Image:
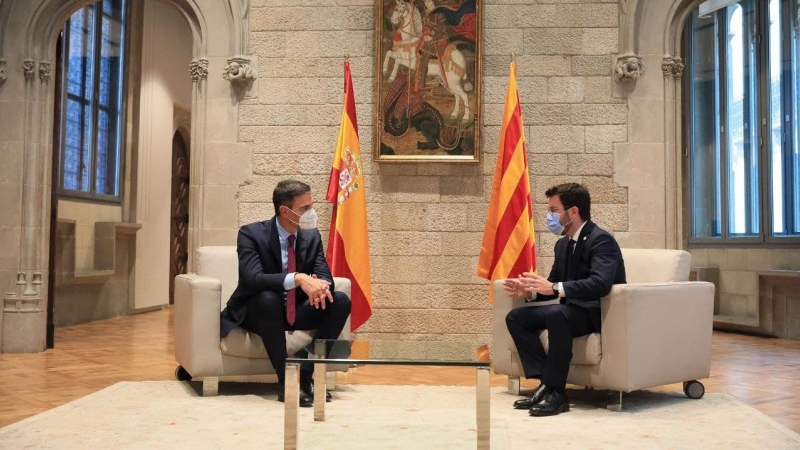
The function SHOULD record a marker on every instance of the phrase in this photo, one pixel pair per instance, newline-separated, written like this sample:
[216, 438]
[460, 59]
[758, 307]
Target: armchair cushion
[586, 350]
[245, 344]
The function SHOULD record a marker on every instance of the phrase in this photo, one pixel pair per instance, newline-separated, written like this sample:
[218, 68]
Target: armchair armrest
[501, 339]
[345, 286]
[197, 307]
[656, 333]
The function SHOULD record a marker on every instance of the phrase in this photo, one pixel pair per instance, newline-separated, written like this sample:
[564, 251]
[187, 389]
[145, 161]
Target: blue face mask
[554, 223]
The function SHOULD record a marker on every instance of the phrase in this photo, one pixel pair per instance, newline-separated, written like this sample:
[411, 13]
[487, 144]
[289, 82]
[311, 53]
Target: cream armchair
[199, 298]
[656, 330]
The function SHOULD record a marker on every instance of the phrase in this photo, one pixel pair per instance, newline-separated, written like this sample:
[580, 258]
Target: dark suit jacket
[261, 269]
[594, 267]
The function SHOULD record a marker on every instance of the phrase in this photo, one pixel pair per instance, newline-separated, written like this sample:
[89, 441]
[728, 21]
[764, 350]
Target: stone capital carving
[677, 67]
[199, 69]
[28, 68]
[44, 71]
[666, 66]
[672, 67]
[238, 71]
[629, 68]
[3, 74]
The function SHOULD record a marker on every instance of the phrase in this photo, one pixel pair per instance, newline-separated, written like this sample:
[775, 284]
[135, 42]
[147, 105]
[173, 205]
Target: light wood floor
[764, 373]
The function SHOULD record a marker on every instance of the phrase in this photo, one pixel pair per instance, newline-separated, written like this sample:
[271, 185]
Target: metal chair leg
[513, 385]
[330, 381]
[616, 406]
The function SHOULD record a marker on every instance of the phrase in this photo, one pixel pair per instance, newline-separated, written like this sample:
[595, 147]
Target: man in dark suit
[587, 263]
[285, 282]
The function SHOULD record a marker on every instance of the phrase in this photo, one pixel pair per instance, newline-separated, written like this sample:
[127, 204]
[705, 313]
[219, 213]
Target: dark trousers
[563, 323]
[266, 316]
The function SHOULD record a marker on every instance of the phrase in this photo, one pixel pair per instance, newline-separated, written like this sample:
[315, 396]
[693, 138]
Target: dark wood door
[179, 228]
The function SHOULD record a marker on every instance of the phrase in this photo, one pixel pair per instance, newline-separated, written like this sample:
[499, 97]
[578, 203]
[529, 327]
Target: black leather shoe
[306, 400]
[538, 395]
[308, 386]
[555, 402]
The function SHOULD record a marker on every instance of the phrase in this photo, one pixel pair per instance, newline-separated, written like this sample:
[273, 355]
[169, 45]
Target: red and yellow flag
[508, 241]
[348, 245]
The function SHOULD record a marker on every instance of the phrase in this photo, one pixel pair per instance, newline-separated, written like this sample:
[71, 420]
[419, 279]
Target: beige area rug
[173, 415]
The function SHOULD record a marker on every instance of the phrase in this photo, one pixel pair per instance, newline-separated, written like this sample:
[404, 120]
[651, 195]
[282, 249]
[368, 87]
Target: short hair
[573, 194]
[286, 191]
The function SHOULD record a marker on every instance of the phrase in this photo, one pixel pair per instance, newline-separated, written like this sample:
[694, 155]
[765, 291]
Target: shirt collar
[577, 234]
[282, 234]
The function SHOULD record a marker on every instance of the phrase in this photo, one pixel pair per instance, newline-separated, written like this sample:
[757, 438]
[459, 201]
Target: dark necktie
[570, 250]
[291, 294]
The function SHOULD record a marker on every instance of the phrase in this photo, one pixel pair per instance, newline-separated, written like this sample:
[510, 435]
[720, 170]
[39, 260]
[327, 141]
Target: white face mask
[307, 221]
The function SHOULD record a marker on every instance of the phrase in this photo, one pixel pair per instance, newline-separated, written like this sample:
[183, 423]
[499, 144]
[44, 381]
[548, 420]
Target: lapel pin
[585, 237]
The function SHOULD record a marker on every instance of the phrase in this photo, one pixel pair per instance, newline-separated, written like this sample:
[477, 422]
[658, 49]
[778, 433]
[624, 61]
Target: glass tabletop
[394, 352]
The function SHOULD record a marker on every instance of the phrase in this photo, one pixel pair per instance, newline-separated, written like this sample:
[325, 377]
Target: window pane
[89, 51]
[110, 101]
[791, 164]
[79, 56]
[741, 119]
[776, 116]
[86, 161]
[94, 42]
[705, 126]
[72, 145]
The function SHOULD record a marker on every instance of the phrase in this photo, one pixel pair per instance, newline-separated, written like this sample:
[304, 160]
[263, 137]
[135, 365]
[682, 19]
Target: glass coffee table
[383, 352]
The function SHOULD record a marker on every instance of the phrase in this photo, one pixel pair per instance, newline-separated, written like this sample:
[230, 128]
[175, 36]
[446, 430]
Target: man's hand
[535, 283]
[316, 289]
[514, 287]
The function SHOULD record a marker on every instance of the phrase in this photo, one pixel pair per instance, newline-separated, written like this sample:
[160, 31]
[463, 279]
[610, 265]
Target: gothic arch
[28, 32]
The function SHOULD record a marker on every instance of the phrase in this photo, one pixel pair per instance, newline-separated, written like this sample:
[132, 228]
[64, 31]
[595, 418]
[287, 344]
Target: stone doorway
[29, 31]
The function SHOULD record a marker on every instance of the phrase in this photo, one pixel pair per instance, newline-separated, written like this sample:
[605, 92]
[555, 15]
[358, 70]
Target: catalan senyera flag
[348, 246]
[508, 247]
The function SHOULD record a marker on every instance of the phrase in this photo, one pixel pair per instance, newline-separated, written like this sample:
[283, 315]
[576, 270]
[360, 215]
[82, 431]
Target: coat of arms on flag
[349, 175]
[348, 243]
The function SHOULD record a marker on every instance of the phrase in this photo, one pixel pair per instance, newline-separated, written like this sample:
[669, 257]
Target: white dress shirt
[283, 237]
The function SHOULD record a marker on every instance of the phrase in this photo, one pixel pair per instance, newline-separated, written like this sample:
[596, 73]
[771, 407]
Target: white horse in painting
[408, 19]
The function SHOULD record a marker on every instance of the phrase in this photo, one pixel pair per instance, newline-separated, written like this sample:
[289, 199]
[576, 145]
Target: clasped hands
[315, 288]
[526, 283]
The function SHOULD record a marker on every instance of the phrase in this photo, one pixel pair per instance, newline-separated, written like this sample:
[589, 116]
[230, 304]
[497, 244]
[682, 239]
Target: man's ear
[574, 212]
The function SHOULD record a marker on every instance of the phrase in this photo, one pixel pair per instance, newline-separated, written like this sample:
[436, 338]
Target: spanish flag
[348, 245]
[508, 241]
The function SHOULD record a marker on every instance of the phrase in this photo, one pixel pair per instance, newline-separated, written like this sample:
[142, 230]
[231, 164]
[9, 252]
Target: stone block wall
[426, 219]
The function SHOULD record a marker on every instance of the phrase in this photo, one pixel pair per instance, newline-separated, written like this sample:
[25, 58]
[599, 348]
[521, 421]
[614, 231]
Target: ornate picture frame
[428, 80]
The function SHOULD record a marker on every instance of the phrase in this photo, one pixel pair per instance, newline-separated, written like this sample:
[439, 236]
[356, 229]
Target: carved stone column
[672, 69]
[198, 69]
[24, 307]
